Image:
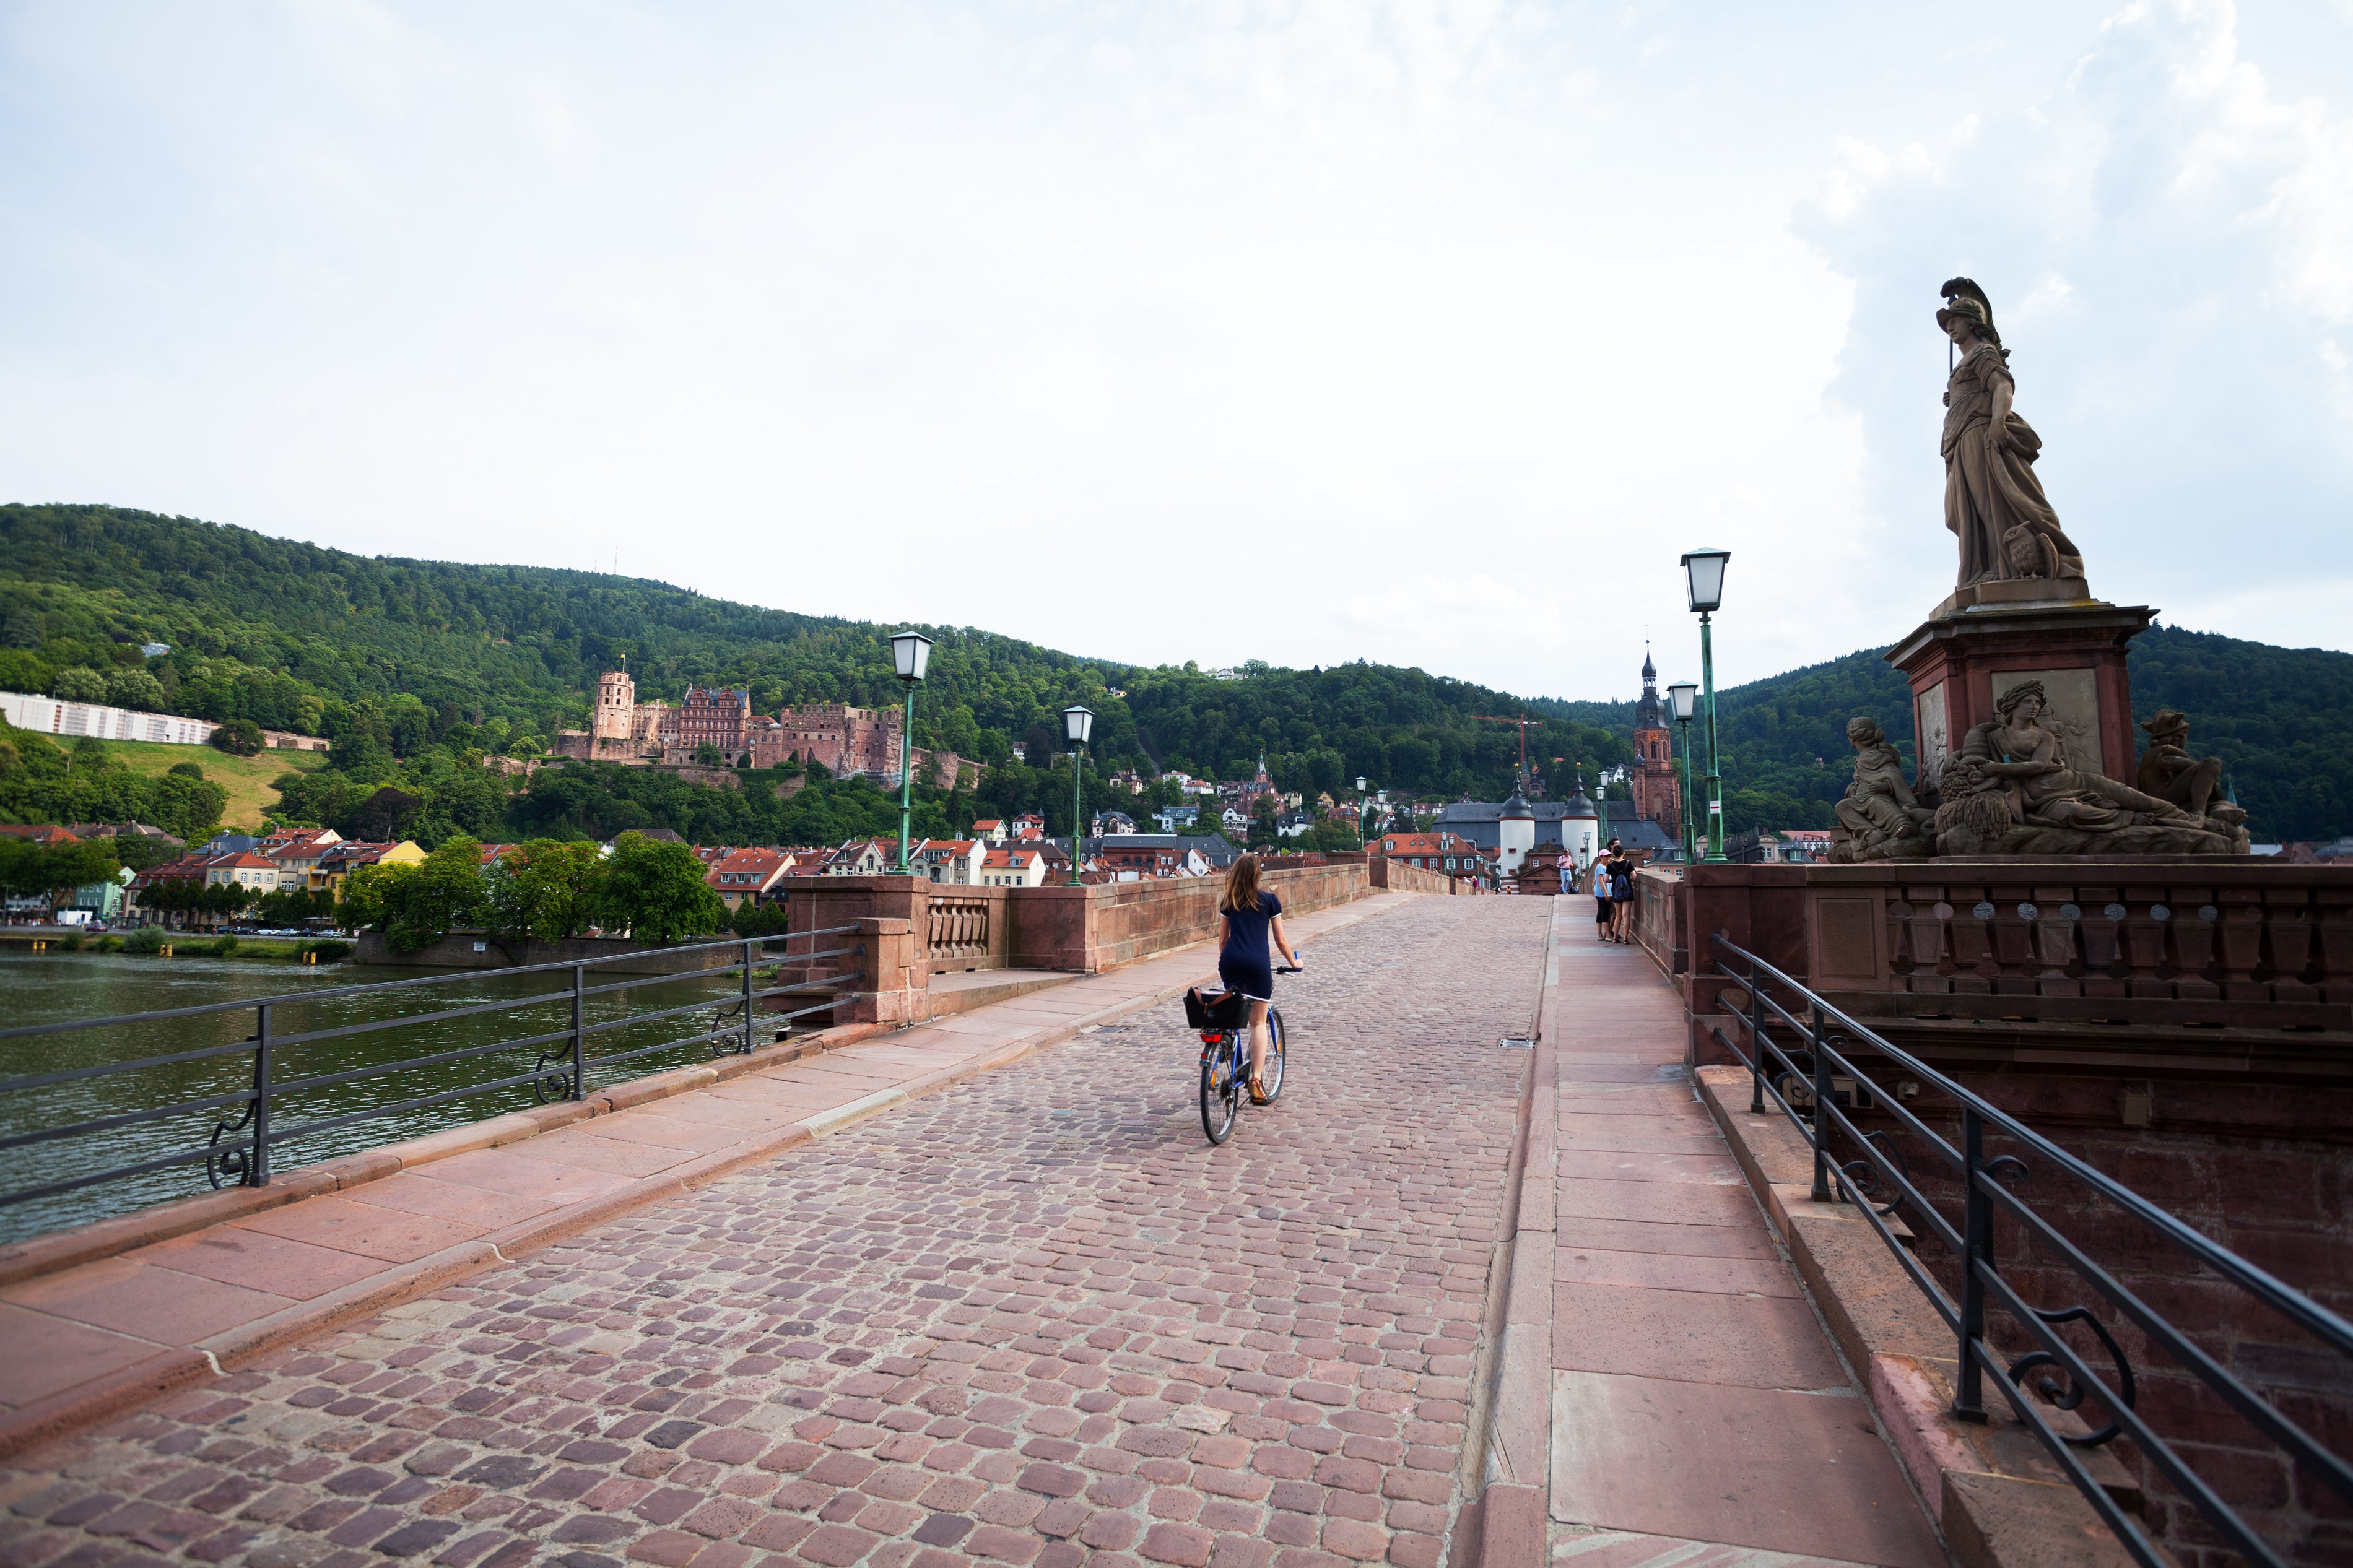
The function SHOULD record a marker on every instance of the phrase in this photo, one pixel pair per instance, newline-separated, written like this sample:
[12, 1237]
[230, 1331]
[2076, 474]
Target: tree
[238, 738]
[1262, 821]
[707, 755]
[80, 685]
[135, 689]
[416, 904]
[546, 890]
[50, 870]
[655, 890]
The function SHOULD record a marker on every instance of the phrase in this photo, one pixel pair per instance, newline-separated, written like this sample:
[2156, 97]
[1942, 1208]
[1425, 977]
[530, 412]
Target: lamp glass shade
[911, 652]
[1361, 782]
[1685, 695]
[1078, 723]
[1703, 577]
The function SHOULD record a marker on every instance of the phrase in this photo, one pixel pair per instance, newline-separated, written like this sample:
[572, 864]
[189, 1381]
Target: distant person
[1600, 889]
[1621, 896]
[1252, 925]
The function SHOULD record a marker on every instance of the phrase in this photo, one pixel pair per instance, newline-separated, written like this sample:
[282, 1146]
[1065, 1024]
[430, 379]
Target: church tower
[1658, 795]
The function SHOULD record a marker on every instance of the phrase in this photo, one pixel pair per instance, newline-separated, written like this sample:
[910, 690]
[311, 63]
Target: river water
[40, 988]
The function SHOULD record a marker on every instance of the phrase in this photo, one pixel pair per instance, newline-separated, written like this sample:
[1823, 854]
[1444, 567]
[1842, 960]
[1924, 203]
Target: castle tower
[1657, 794]
[1515, 833]
[616, 701]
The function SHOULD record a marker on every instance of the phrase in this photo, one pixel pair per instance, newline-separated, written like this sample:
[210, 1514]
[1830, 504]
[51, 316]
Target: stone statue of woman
[1992, 498]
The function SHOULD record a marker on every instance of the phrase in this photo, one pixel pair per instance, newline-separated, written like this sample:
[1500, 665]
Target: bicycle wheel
[1220, 1094]
[1275, 1056]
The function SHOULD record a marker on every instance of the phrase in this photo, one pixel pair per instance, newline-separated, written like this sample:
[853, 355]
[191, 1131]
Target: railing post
[748, 1041]
[1977, 1242]
[1755, 1046]
[257, 1169]
[1821, 1193]
[579, 1038]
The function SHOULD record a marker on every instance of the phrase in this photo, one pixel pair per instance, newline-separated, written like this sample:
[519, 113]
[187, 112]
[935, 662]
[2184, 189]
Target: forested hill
[293, 635]
[410, 658]
[2282, 719]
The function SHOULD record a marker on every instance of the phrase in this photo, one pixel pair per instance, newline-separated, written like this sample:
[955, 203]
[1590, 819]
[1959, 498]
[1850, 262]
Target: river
[41, 988]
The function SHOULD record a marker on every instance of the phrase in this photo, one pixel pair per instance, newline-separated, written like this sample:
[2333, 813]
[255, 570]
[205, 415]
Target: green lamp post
[1078, 723]
[1684, 696]
[911, 654]
[1704, 579]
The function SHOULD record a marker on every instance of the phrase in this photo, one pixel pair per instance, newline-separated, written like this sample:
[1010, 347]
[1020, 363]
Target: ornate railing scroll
[1796, 1038]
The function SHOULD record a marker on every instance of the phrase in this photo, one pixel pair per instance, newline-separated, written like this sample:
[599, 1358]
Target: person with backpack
[1602, 907]
[1621, 896]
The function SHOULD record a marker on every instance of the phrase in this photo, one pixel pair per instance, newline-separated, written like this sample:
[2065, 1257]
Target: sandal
[1258, 1091]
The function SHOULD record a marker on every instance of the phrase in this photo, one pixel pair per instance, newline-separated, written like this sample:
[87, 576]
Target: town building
[952, 862]
[991, 828]
[1453, 854]
[1014, 866]
[716, 716]
[861, 857]
[336, 865]
[56, 716]
[747, 875]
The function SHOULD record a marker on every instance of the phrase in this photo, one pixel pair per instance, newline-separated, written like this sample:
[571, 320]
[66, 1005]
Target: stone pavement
[1030, 1318]
[147, 1308]
[1699, 1414]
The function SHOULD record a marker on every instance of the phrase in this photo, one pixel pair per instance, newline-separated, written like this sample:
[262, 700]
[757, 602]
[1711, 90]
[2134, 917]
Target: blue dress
[1246, 964]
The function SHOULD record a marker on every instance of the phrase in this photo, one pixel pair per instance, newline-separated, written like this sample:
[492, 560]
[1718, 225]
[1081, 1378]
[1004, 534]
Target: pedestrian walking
[1601, 904]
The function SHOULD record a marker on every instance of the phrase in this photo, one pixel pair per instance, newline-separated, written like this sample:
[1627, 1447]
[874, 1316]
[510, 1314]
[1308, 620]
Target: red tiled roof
[39, 833]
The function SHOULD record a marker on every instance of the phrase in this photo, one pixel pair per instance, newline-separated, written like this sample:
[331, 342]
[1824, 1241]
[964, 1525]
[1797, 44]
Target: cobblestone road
[1032, 1320]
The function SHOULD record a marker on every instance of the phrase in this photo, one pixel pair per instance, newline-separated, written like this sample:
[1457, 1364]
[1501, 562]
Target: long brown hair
[1241, 886]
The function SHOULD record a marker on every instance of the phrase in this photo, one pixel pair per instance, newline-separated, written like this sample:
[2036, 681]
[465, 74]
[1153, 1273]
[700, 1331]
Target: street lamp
[1078, 723]
[911, 655]
[1685, 695]
[1704, 578]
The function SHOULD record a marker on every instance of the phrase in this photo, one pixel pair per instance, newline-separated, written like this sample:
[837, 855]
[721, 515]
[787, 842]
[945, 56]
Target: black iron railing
[245, 1130]
[1817, 1074]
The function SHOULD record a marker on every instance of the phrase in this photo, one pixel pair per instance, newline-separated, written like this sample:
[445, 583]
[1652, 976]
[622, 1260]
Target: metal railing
[1817, 1073]
[245, 1130]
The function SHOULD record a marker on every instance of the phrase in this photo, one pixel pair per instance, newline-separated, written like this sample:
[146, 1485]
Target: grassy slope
[247, 779]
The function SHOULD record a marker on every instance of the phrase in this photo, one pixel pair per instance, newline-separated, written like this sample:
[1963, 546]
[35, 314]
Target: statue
[1879, 819]
[1993, 501]
[2168, 772]
[2006, 791]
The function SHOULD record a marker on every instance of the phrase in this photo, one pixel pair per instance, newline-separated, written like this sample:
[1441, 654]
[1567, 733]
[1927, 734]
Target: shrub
[146, 939]
[238, 738]
[223, 947]
[80, 685]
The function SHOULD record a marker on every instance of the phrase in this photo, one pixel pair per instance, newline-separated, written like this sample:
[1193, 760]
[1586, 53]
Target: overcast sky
[1087, 323]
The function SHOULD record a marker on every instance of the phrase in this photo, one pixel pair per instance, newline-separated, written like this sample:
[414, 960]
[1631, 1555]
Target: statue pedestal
[1991, 637]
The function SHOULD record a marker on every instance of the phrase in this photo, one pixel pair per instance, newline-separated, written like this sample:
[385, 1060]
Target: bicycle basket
[1226, 1011]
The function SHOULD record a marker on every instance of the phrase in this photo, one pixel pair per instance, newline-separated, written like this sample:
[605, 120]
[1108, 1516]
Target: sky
[1418, 332]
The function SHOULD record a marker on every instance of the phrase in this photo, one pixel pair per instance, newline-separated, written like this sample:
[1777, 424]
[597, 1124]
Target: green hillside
[418, 668]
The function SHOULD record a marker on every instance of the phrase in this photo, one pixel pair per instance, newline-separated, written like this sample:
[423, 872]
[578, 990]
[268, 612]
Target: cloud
[2166, 242]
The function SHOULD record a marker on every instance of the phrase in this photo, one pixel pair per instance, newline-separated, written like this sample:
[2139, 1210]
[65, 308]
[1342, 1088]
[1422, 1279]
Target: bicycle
[1224, 1025]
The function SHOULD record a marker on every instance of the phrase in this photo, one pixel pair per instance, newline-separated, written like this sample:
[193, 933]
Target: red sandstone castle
[840, 739]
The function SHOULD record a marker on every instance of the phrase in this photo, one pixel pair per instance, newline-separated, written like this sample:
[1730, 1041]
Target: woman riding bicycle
[1253, 919]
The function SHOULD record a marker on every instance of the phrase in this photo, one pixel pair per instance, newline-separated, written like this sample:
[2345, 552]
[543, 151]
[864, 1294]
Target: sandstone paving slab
[430, 1192]
[660, 1130]
[155, 1304]
[46, 1353]
[1714, 1168]
[1753, 1341]
[1619, 1548]
[390, 1234]
[1766, 1276]
[579, 1151]
[1031, 1317]
[1740, 1467]
[1671, 1203]
[258, 1261]
[507, 1170]
[1682, 1240]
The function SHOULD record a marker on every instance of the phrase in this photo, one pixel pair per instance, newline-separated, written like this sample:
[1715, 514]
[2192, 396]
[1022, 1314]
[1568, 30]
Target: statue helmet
[1964, 298]
[2165, 723]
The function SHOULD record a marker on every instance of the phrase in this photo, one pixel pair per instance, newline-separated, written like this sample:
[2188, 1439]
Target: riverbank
[175, 944]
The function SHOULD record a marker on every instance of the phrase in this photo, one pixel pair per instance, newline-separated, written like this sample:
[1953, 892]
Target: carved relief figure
[2006, 791]
[1879, 819]
[1993, 501]
[2168, 772]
